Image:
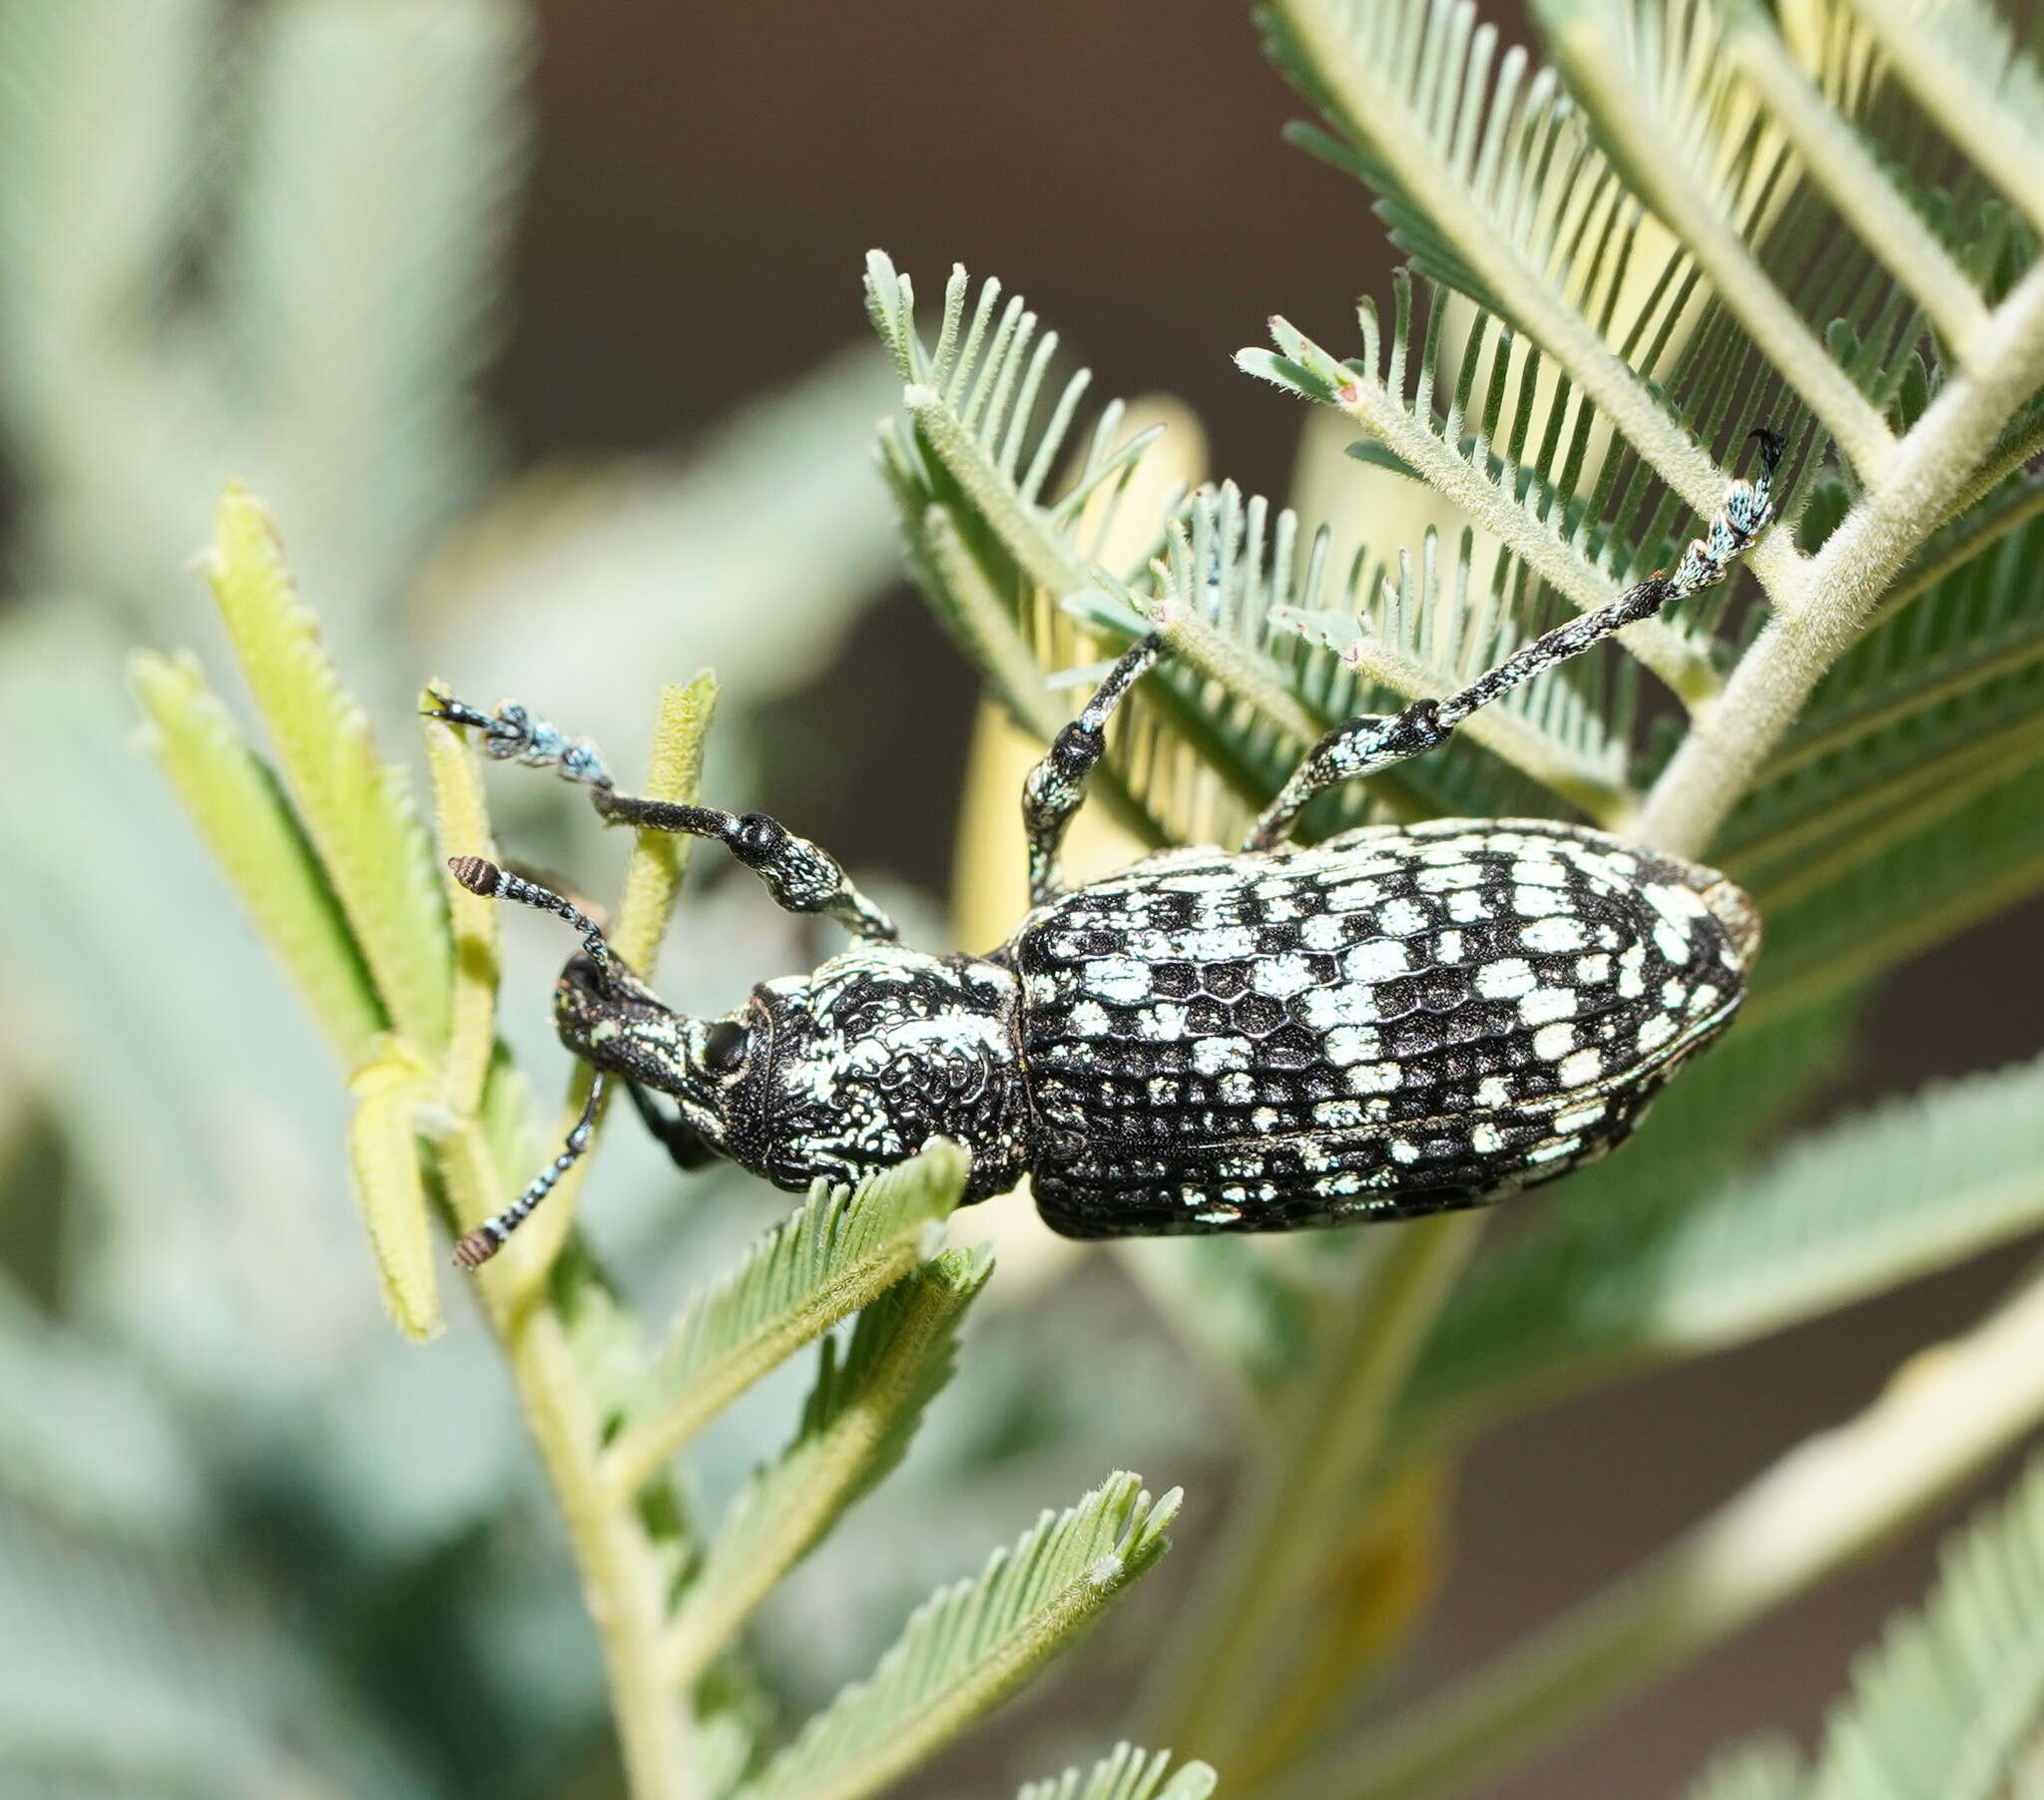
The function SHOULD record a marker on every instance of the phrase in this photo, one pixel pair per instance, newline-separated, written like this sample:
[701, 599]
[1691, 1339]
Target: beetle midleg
[1055, 787]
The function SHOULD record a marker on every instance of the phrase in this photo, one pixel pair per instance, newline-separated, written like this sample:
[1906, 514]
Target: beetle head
[828, 1076]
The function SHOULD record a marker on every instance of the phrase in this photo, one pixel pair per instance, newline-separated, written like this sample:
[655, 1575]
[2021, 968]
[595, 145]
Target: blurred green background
[539, 330]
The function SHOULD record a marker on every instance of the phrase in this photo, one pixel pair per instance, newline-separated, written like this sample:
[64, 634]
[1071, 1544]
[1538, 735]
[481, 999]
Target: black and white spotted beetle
[1397, 1021]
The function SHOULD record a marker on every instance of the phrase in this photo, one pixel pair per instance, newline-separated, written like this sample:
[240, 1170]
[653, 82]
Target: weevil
[1393, 1021]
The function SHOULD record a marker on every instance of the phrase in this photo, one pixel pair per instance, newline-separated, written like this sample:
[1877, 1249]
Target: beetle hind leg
[1365, 747]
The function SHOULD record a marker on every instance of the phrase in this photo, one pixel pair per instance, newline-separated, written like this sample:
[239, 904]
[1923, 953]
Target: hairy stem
[1306, 1486]
[1947, 1414]
[1731, 738]
[623, 1582]
[624, 1579]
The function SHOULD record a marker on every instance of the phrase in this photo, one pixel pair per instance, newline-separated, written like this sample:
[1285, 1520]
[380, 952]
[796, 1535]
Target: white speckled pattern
[1397, 1021]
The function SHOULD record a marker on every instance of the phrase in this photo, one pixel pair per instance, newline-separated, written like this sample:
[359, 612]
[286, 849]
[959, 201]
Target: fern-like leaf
[1936, 872]
[1127, 1774]
[1491, 179]
[971, 1646]
[359, 260]
[1936, 704]
[1212, 733]
[1878, 1200]
[1948, 1705]
[255, 837]
[843, 1248]
[355, 809]
[1545, 523]
[857, 1424]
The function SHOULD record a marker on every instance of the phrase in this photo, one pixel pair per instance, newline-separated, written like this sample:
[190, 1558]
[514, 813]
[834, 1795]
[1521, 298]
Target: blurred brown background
[708, 181]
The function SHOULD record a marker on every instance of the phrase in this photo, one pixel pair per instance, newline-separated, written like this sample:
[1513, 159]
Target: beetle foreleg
[512, 734]
[481, 876]
[802, 876]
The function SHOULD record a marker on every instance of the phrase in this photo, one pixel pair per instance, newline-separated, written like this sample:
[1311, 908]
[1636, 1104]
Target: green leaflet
[861, 1417]
[355, 809]
[1127, 1774]
[843, 1248]
[390, 1187]
[256, 838]
[397, 329]
[1947, 1707]
[1874, 1200]
[970, 1646]
[1941, 877]
[1937, 702]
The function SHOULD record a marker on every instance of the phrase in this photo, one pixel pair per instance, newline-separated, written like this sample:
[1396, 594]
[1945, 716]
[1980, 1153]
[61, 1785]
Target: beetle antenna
[480, 1245]
[481, 876]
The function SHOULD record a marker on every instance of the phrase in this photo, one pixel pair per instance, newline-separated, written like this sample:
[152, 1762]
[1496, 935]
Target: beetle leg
[802, 876]
[1364, 746]
[672, 1131]
[1348, 753]
[512, 734]
[1054, 788]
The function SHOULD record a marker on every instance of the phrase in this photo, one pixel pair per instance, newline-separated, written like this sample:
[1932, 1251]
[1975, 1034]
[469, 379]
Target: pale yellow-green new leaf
[674, 772]
[355, 809]
[248, 826]
[1127, 1774]
[462, 823]
[383, 1145]
[653, 874]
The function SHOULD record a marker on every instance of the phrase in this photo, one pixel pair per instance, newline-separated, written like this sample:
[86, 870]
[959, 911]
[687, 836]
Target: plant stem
[1307, 1485]
[1731, 738]
[623, 1582]
[623, 1578]
[1946, 1414]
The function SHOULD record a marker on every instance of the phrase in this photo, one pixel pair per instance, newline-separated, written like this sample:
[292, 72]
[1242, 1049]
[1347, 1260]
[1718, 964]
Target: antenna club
[476, 873]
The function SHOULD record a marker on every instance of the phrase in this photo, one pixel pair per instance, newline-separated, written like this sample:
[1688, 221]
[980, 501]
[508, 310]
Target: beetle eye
[723, 1049]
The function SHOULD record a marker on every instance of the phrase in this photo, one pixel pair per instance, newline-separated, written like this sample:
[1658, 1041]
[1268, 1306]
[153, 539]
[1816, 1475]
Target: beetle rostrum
[1395, 1021]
